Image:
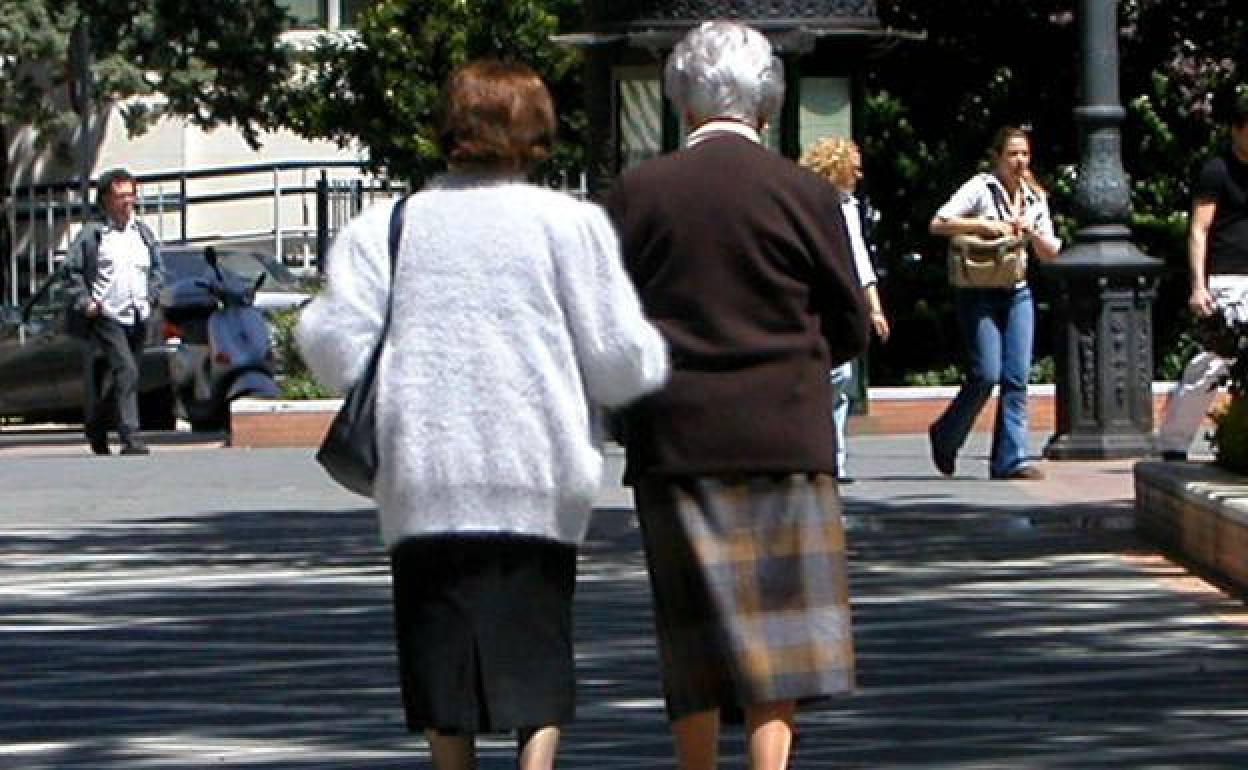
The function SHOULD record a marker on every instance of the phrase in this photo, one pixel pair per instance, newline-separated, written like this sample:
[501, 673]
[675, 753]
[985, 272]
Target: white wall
[174, 145]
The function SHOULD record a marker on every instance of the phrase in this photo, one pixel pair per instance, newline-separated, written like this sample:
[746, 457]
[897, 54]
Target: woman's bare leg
[697, 740]
[537, 748]
[769, 727]
[452, 752]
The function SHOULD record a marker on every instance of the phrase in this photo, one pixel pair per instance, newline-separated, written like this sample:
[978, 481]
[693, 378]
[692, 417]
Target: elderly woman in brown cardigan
[741, 260]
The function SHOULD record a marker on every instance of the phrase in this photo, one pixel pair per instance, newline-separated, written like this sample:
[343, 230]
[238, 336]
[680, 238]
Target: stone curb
[259, 423]
[1199, 512]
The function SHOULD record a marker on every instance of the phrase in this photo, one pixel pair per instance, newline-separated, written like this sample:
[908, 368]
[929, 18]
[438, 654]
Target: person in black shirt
[1217, 250]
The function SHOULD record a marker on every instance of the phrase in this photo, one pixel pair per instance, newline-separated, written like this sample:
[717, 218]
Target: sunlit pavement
[228, 608]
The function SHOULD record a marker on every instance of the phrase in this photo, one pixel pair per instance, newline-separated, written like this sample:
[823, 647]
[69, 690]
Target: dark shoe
[1174, 456]
[135, 448]
[99, 443]
[944, 460]
[1021, 473]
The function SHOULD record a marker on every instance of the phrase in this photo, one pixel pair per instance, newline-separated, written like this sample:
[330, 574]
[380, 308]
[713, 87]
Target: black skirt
[484, 631]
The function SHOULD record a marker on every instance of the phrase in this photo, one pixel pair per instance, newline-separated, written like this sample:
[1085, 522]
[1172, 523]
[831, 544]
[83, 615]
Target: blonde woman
[838, 160]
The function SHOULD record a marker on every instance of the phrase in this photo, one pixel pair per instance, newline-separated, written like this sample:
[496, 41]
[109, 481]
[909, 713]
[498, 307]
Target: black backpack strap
[151, 242]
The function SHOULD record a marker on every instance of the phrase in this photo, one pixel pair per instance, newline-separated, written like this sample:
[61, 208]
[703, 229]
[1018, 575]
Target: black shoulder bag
[349, 451]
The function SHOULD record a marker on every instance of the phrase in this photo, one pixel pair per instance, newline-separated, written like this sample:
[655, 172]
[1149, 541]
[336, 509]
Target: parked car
[280, 289]
[42, 365]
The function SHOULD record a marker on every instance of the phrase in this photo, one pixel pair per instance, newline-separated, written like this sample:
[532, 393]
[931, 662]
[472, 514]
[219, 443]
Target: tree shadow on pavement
[1027, 635]
[262, 639]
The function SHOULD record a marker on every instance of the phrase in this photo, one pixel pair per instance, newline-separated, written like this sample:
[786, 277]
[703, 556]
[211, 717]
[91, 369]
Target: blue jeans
[997, 326]
[841, 378]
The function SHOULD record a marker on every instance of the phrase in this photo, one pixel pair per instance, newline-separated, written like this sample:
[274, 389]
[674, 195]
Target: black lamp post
[1106, 286]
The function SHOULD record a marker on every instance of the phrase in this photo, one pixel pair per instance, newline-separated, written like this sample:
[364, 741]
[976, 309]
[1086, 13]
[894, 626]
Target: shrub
[950, 375]
[293, 377]
[1230, 436]
[1230, 431]
[1043, 370]
[1172, 361]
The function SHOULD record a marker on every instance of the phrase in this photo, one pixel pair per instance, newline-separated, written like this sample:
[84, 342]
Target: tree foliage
[1001, 62]
[380, 84]
[1182, 60]
[211, 61]
[928, 111]
[32, 32]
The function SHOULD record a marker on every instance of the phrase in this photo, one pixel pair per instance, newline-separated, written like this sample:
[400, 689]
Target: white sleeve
[968, 201]
[1043, 223]
[621, 355]
[339, 328]
[862, 257]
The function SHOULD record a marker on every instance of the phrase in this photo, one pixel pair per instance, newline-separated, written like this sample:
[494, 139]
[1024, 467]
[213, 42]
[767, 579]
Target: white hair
[723, 69]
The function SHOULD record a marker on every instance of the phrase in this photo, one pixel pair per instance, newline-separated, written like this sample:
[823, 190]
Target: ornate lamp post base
[1105, 286]
[1105, 292]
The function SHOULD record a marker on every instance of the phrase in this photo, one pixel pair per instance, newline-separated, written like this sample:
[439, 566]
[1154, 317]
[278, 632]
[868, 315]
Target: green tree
[984, 65]
[211, 61]
[1001, 62]
[1181, 61]
[379, 85]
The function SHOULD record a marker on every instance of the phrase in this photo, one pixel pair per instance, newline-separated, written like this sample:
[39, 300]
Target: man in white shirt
[112, 271]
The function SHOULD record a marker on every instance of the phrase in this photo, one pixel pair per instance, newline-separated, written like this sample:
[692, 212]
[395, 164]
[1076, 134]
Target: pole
[82, 95]
[1105, 285]
[322, 220]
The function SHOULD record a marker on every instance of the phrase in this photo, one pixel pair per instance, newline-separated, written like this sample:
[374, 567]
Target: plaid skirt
[750, 586]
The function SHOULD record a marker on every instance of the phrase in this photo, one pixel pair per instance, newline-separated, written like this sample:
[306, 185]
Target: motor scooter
[222, 345]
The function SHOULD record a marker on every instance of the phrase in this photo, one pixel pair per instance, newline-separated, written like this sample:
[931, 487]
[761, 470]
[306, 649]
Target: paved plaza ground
[215, 608]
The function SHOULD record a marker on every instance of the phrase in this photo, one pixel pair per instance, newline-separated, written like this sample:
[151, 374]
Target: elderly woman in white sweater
[512, 319]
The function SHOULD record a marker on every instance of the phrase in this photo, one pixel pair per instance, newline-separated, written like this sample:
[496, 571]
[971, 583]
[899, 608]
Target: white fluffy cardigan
[512, 317]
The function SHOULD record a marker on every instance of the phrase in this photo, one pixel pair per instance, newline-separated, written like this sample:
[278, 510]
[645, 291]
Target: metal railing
[303, 201]
[307, 202]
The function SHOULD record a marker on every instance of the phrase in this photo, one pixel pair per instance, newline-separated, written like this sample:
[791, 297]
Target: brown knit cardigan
[742, 260]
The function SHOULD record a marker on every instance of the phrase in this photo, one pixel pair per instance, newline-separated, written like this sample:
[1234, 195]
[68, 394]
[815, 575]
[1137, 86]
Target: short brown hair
[496, 114]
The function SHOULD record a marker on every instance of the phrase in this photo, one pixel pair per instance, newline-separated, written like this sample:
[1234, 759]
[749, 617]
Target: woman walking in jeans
[997, 324]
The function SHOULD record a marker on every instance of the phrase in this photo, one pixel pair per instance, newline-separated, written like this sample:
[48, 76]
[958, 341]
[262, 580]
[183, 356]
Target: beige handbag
[976, 262]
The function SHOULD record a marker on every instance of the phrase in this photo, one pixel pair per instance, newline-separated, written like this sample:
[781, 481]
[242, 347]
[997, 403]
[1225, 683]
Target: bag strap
[396, 229]
[999, 200]
[396, 236]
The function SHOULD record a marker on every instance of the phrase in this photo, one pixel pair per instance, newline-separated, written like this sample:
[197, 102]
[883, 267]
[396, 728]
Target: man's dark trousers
[112, 377]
